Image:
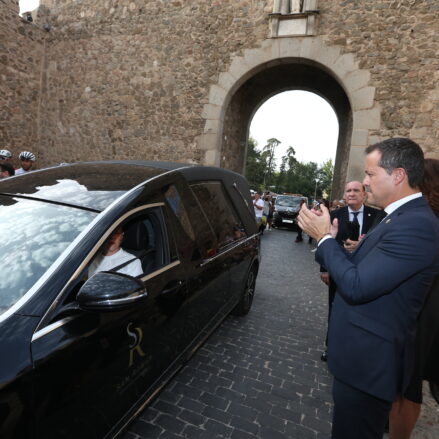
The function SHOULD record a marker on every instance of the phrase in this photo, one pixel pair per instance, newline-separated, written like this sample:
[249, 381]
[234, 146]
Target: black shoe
[324, 356]
[298, 240]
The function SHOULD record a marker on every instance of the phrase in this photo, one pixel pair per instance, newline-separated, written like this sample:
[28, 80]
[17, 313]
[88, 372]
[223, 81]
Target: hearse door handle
[173, 289]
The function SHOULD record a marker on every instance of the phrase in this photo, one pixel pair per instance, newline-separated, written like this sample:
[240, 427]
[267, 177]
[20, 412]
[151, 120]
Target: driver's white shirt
[106, 263]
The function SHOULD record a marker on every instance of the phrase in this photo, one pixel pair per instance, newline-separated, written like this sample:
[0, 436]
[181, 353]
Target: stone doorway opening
[291, 118]
[269, 80]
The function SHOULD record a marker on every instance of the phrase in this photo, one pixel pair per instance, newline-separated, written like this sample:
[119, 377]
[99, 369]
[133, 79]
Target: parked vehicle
[286, 209]
[81, 354]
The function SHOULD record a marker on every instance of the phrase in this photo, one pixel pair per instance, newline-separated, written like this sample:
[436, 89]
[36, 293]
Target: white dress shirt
[398, 203]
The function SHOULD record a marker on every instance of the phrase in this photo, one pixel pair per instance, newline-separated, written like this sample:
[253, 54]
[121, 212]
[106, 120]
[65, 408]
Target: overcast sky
[299, 119]
[28, 5]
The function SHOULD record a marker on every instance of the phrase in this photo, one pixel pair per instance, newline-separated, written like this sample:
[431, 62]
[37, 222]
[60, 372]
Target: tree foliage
[255, 165]
[293, 176]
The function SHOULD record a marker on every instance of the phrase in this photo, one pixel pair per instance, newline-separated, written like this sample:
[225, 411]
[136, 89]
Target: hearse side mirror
[107, 291]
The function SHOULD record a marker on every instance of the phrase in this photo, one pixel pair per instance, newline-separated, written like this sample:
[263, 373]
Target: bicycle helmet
[5, 154]
[26, 155]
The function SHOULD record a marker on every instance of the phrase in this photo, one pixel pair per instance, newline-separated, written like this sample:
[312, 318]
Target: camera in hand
[353, 230]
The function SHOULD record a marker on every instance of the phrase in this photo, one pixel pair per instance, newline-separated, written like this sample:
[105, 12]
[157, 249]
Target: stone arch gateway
[162, 80]
[287, 64]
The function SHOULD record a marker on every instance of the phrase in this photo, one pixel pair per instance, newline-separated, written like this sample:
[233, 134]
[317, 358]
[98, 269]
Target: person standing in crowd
[299, 237]
[27, 160]
[381, 288]
[335, 204]
[406, 409]
[6, 170]
[270, 214]
[5, 155]
[268, 210]
[354, 221]
[258, 205]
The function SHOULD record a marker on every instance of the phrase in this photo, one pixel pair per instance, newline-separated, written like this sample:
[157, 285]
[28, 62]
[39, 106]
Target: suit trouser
[332, 288]
[357, 415]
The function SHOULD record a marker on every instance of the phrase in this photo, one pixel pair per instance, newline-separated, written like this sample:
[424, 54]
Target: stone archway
[282, 64]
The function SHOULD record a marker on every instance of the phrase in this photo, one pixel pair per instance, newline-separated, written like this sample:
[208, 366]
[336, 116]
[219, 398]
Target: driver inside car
[113, 258]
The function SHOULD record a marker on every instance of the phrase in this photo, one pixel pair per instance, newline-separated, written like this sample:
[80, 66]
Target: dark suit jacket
[380, 290]
[342, 215]
[371, 216]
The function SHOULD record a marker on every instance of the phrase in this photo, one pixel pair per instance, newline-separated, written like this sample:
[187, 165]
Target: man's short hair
[8, 168]
[400, 152]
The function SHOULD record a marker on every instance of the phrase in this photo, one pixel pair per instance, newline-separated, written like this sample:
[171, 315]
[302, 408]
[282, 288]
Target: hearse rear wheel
[244, 305]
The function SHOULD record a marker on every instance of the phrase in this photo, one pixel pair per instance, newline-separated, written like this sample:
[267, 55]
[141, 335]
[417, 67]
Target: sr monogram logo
[137, 335]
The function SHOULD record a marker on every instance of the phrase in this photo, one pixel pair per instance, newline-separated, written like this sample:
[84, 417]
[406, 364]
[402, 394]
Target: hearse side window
[174, 200]
[194, 236]
[137, 247]
[219, 211]
[145, 239]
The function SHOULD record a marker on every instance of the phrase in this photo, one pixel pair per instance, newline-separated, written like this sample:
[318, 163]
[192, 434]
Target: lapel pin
[388, 220]
[368, 214]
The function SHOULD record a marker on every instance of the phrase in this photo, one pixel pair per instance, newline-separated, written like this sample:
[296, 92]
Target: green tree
[287, 164]
[293, 176]
[255, 165]
[270, 161]
[326, 174]
[301, 178]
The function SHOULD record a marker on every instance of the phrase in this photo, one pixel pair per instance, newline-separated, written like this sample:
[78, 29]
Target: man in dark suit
[354, 221]
[381, 288]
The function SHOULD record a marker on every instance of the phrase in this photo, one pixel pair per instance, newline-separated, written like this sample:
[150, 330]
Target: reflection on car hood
[89, 185]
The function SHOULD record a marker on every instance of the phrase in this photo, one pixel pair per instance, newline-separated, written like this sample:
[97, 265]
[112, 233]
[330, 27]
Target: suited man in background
[354, 221]
[381, 288]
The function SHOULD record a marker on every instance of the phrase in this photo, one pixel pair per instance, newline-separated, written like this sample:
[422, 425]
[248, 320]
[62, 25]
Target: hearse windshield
[34, 235]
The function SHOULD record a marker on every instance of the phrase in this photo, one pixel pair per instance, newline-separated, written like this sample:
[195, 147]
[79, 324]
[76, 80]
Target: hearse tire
[248, 292]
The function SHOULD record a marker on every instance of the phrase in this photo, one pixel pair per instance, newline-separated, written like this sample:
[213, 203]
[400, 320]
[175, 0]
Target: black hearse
[81, 353]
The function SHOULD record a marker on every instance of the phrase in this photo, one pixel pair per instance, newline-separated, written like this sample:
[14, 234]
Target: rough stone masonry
[159, 79]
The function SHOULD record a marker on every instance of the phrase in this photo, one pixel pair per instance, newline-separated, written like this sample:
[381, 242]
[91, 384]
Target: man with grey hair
[381, 288]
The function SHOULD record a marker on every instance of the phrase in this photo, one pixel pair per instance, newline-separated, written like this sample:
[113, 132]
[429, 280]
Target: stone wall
[131, 78]
[397, 41]
[128, 79]
[21, 58]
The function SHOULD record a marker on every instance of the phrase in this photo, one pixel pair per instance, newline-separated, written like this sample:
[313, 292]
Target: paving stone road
[260, 376]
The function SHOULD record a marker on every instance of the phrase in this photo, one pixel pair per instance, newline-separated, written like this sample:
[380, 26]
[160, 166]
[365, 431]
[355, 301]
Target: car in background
[82, 353]
[286, 209]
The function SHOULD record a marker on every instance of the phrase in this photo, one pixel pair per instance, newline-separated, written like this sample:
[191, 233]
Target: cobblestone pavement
[260, 376]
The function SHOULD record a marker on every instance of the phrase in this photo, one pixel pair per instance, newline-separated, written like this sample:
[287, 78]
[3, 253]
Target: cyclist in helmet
[27, 160]
[5, 155]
